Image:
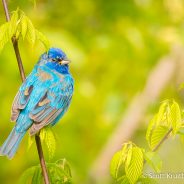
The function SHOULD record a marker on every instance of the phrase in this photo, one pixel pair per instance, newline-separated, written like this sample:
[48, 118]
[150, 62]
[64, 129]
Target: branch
[162, 140]
[23, 77]
[15, 44]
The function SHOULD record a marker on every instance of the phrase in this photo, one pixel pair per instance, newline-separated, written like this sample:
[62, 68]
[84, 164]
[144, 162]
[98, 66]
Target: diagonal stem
[23, 77]
[162, 140]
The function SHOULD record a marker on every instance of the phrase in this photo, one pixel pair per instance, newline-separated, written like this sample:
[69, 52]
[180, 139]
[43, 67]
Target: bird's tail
[11, 144]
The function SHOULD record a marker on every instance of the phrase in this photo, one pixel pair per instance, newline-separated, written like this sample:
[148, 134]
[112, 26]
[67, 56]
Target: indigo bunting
[42, 99]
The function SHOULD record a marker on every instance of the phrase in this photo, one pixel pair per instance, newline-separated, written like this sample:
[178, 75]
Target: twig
[41, 157]
[23, 77]
[15, 44]
[162, 140]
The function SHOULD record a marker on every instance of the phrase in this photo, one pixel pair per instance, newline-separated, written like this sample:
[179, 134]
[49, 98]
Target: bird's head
[57, 60]
[58, 56]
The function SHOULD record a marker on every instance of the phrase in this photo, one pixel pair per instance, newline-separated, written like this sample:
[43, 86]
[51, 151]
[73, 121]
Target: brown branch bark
[23, 77]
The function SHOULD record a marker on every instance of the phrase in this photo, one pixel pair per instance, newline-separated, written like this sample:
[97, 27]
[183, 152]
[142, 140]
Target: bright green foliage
[153, 159]
[175, 117]
[157, 135]
[30, 141]
[42, 38]
[131, 159]
[123, 180]
[4, 34]
[21, 26]
[47, 137]
[59, 172]
[117, 160]
[168, 117]
[134, 168]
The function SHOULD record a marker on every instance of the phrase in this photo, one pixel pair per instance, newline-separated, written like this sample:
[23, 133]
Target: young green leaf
[43, 39]
[153, 160]
[13, 28]
[37, 176]
[158, 135]
[117, 160]
[23, 26]
[43, 134]
[161, 112]
[30, 141]
[63, 164]
[134, 169]
[4, 34]
[30, 35]
[25, 177]
[150, 128]
[123, 180]
[50, 141]
[174, 117]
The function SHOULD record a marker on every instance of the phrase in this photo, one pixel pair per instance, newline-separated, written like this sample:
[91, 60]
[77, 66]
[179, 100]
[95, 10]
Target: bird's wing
[54, 102]
[22, 97]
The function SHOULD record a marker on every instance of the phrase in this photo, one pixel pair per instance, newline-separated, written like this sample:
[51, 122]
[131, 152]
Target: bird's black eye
[53, 59]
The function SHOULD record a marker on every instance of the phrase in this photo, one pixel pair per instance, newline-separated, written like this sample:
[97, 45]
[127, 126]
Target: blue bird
[42, 99]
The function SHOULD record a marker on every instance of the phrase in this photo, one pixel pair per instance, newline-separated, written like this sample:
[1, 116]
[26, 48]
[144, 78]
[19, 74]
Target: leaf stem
[23, 77]
[162, 140]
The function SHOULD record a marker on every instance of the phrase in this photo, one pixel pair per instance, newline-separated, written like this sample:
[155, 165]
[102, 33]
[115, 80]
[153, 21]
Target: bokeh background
[114, 47]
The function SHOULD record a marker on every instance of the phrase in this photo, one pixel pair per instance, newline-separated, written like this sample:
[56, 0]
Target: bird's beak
[65, 61]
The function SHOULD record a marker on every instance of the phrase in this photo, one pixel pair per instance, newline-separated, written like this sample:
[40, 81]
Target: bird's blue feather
[42, 99]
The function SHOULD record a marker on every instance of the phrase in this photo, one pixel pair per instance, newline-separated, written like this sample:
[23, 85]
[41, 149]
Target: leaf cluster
[48, 138]
[20, 26]
[127, 164]
[59, 173]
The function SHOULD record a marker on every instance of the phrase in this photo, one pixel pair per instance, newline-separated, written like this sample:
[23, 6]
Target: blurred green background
[113, 46]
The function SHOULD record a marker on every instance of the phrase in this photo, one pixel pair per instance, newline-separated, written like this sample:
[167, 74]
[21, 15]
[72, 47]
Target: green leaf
[150, 129]
[181, 131]
[14, 23]
[158, 135]
[117, 161]
[43, 39]
[153, 160]
[123, 180]
[47, 136]
[50, 142]
[174, 117]
[30, 141]
[37, 176]
[4, 34]
[43, 134]
[60, 172]
[27, 174]
[134, 169]
[161, 112]
[64, 165]
[23, 26]
[30, 35]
